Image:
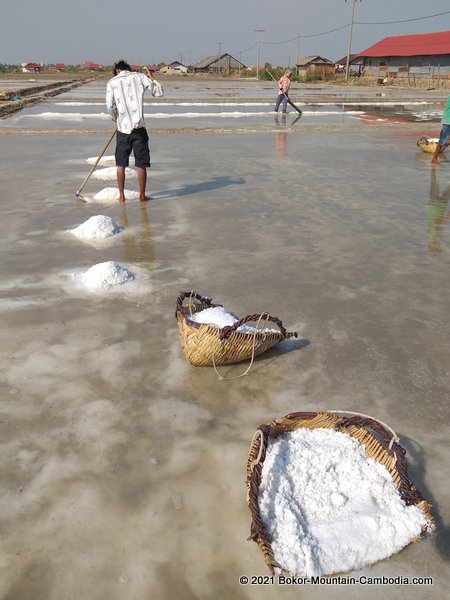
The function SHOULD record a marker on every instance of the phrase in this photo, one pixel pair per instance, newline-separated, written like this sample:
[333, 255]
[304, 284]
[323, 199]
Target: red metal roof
[419, 44]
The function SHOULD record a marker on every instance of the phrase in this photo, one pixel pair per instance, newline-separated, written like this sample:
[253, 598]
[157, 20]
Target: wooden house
[223, 63]
[316, 65]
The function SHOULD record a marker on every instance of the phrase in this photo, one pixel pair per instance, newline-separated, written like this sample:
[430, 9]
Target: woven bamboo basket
[381, 444]
[207, 345]
[427, 144]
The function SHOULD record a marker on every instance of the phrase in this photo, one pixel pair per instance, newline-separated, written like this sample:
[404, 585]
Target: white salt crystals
[111, 194]
[329, 507]
[111, 173]
[106, 275]
[97, 227]
[216, 315]
[219, 317]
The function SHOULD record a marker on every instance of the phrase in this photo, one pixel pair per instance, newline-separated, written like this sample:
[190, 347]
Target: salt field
[123, 466]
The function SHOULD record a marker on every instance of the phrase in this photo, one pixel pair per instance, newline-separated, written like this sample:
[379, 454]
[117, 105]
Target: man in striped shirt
[125, 104]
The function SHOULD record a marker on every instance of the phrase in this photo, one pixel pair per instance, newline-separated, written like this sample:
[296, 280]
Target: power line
[346, 27]
[356, 23]
[404, 21]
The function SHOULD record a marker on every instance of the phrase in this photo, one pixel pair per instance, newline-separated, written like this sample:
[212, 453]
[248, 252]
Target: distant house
[341, 65]
[420, 54]
[174, 68]
[31, 68]
[90, 66]
[223, 63]
[316, 65]
[60, 66]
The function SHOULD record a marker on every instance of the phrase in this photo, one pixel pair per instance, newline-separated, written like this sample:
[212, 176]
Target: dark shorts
[136, 141]
[444, 135]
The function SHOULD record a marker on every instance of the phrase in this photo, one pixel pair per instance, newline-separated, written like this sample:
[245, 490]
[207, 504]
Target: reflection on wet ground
[123, 466]
[438, 214]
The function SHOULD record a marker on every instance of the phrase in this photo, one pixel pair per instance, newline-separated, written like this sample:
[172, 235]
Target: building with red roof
[90, 66]
[31, 66]
[420, 54]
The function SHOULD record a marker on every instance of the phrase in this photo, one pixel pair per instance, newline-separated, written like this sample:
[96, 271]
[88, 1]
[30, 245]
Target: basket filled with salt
[211, 336]
[427, 144]
[329, 493]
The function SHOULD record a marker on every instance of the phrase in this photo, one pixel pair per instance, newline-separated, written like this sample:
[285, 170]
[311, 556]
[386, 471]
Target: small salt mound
[97, 227]
[217, 316]
[110, 193]
[329, 507]
[111, 173]
[106, 275]
[106, 160]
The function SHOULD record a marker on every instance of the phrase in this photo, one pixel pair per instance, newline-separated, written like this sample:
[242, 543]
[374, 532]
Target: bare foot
[145, 199]
[122, 199]
[434, 161]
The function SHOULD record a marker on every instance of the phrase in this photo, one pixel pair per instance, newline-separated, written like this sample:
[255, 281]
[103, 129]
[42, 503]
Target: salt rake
[78, 192]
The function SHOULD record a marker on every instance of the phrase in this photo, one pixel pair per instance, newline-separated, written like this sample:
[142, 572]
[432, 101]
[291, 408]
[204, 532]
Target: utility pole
[258, 31]
[298, 54]
[350, 39]
[219, 44]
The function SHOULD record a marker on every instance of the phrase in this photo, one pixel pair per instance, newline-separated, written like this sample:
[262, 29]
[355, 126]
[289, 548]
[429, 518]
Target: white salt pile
[219, 317]
[329, 507]
[97, 227]
[110, 194]
[111, 173]
[106, 275]
[106, 160]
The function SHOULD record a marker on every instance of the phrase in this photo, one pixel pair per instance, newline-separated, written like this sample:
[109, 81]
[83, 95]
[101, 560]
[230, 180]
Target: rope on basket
[221, 377]
[258, 434]
[394, 438]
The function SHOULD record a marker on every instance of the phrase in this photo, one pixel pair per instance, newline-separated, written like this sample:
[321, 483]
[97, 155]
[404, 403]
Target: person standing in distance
[444, 135]
[283, 87]
[125, 104]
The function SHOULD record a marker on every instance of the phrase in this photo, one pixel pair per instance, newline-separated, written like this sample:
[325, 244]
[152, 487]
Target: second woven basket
[208, 345]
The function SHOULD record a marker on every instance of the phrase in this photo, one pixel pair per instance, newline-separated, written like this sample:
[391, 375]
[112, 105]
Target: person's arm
[110, 103]
[154, 86]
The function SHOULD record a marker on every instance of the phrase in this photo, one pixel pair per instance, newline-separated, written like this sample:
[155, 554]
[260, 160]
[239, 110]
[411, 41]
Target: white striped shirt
[125, 99]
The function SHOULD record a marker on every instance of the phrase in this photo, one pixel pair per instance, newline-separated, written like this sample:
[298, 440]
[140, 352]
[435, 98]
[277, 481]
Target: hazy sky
[146, 32]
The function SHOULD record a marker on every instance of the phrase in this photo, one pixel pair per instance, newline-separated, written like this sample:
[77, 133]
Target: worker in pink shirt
[283, 86]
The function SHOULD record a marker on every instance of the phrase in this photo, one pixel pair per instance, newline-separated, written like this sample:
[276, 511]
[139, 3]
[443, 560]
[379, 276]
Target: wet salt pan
[219, 317]
[97, 227]
[106, 275]
[329, 507]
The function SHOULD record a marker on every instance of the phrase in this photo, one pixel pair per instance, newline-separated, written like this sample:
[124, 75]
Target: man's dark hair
[121, 65]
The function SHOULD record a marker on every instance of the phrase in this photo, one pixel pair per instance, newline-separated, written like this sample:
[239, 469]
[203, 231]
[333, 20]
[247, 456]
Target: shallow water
[123, 467]
[246, 105]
